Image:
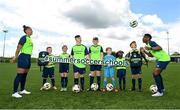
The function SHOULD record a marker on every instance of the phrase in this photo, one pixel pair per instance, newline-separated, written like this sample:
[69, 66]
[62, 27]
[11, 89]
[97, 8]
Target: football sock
[124, 83]
[91, 80]
[82, 83]
[162, 85]
[114, 83]
[23, 81]
[133, 83]
[62, 82]
[44, 81]
[140, 83]
[120, 87]
[157, 79]
[66, 81]
[104, 84]
[17, 80]
[99, 81]
[76, 80]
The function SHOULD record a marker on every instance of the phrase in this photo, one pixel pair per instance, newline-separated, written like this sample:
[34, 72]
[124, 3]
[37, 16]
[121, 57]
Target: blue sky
[167, 10]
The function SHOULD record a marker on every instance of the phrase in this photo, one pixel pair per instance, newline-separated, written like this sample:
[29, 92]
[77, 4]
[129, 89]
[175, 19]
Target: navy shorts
[136, 70]
[48, 72]
[95, 67]
[79, 70]
[162, 64]
[24, 61]
[121, 73]
[63, 68]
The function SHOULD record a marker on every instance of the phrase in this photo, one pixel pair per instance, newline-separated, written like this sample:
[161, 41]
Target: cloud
[95, 14]
[57, 22]
[153, 21]
[115, 36]
[117, 33]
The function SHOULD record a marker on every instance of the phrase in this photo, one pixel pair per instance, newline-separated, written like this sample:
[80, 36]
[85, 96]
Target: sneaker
[62, 89]
[54, 87]
[103, 90]
[16, 95]
[24, 92]
[157, 94]
[65, 89]
[115, 90]
[42, 88]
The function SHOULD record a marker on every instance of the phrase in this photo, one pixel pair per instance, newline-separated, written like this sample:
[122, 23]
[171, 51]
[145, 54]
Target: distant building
[175, 58]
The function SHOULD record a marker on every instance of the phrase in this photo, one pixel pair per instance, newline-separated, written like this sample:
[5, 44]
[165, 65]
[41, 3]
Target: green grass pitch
[89, 100]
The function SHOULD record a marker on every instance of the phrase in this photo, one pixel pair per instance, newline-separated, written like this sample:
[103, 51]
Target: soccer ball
[94, 86]
[47, 86]
[133, 23]
[153, 88]
[109, 87]
[76, 88]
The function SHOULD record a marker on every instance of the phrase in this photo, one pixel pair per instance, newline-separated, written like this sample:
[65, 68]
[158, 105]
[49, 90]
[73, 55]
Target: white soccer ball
[94, 86]
[153, 88]
[76, 88]
[109, 87]
[133, 23]
[47, 86]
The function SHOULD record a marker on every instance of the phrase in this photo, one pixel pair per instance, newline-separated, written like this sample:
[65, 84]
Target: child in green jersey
[64, 68]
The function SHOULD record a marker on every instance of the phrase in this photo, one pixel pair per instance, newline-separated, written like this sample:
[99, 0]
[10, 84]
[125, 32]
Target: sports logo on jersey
[158, 66]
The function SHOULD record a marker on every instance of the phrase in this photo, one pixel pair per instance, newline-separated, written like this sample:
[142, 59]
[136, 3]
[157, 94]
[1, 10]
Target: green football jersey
[64, 55]
[27, 48]
[160, 55]
[95, 52]
[50, 64]
[122, 60]
[79, 52]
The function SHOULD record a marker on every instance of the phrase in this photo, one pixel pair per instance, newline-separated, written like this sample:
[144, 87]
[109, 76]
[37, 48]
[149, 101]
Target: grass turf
[56, 99]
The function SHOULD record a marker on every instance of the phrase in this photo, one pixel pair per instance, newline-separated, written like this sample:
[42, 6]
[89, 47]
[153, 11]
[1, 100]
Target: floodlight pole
[168, 41]
[5, 32]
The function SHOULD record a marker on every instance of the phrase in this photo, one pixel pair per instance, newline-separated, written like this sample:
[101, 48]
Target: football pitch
[89, 100]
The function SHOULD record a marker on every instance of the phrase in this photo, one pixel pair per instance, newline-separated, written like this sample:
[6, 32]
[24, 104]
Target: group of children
[48, 70]
[79, 51]
[95, 52]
